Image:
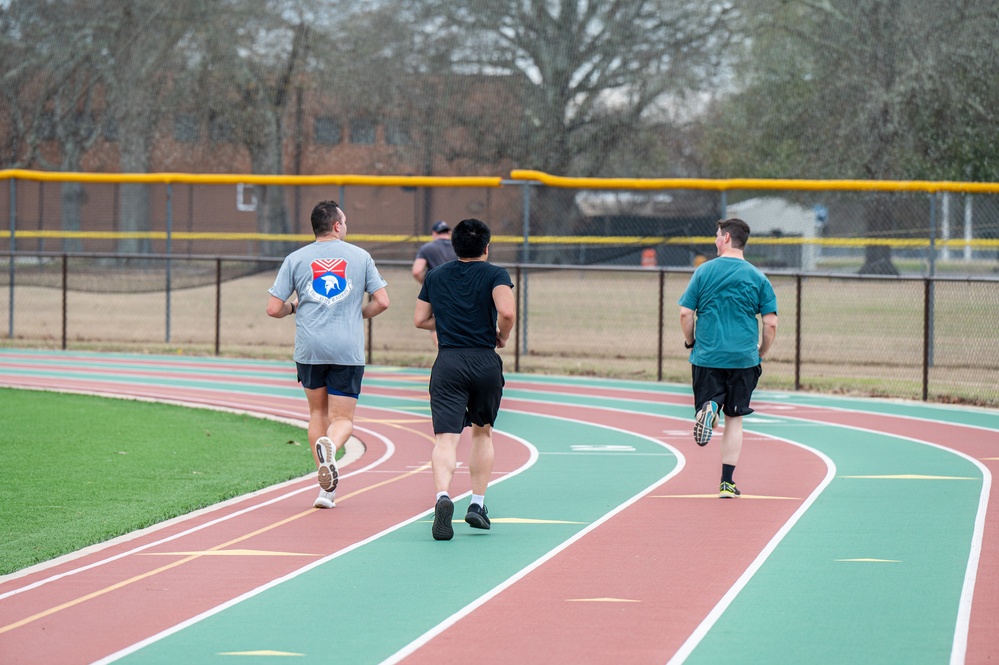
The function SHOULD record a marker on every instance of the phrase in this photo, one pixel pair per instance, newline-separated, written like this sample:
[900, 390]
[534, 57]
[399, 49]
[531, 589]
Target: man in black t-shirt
[470, 303]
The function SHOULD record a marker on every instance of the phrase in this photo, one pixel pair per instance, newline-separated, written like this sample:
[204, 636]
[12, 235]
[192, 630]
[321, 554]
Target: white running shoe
[705, 421]
[329, 475]
[325, 500]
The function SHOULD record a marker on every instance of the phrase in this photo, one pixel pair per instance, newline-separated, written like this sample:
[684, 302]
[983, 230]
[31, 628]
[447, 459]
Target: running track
[867, 533]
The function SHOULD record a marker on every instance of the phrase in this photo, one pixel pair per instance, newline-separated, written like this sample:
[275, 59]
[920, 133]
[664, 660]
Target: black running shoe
[477, 516]
[443, 511]
[728, 491]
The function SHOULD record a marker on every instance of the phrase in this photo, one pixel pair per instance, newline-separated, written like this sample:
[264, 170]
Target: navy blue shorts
[730, 388]
[466, 386]
[342, 380]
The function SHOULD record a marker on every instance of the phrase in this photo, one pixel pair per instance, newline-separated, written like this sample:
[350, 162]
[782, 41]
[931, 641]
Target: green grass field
[80, 470]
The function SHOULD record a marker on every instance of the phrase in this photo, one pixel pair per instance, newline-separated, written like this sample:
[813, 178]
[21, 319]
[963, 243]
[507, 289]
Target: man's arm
[687, 325]
[423, 317]
[378, 303]
[506, 313]
[769, 332]
[419, 270]
[278, 308]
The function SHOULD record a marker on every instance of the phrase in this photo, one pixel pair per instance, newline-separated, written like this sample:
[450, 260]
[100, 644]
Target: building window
[362, 130]
[221, 131]
[327, 130]
[396, 133]
[110, 129]
[46, 126]
[185, 128]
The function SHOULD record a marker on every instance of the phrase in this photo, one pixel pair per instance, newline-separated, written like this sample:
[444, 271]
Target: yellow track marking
[909, 476]
[260, 653]
[715, 496]
[602, 600]
[226, 553]
[867, 560]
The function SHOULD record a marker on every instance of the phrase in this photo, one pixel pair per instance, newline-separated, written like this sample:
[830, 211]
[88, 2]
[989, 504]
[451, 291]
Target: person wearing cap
[435, 252]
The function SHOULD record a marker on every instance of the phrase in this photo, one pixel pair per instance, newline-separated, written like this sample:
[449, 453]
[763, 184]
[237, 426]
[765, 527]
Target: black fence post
[797, 333]
[662, 314]
[218, 305]
[516, 327]
[65, 290]
[927, 291]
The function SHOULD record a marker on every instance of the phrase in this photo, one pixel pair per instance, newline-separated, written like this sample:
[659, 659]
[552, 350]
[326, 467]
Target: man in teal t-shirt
[726, 349]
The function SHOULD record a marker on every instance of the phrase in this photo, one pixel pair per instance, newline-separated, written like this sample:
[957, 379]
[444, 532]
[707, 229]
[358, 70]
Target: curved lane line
[513, 579]
[257, 591]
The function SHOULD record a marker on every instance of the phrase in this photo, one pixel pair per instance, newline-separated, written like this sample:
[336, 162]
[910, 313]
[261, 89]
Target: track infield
[867, 533]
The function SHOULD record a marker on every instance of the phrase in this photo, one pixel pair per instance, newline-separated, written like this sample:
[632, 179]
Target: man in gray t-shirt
[330, 277]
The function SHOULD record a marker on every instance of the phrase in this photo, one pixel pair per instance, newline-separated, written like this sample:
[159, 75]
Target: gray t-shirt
[331, 278]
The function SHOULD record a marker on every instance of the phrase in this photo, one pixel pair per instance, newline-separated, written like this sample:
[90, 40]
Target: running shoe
[443, 511]
[329, 476]
[477, 516]
[728, 491]
[325, 500]
[704, 422]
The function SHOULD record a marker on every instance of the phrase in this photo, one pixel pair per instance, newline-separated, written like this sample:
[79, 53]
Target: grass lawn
[80, 470]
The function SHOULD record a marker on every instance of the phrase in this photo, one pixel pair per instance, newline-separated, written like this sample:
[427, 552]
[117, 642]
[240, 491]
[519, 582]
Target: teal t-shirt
[727, 294]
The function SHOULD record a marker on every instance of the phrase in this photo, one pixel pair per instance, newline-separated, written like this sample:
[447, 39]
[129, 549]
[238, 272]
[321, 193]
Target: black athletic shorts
[730, 388]
[342, 380]
[466, 386]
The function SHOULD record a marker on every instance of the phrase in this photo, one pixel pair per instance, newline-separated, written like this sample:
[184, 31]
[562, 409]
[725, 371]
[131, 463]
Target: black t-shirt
[461, 295]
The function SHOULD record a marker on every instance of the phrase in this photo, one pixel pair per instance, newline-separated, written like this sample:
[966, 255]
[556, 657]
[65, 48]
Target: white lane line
[420, 641]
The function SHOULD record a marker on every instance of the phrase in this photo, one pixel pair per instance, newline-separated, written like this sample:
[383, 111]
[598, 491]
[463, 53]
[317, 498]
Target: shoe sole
[442, 528]
[329, 475]
[702, 430]
[322, 504]
[476, 521]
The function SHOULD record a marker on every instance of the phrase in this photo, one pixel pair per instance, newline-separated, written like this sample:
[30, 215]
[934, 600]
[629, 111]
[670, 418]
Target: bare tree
[85, 64]
[139, 40]
[254, 57]
[580, 76]
[872, 89]
[50, 91]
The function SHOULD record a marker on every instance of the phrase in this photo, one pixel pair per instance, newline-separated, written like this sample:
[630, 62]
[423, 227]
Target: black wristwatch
[293, 308]
[689, 346]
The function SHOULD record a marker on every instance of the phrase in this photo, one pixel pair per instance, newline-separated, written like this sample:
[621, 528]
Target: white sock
[440, 494]
[479, 499]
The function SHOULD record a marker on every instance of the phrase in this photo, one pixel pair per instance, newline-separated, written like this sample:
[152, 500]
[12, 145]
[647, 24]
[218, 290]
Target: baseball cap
[441, 227]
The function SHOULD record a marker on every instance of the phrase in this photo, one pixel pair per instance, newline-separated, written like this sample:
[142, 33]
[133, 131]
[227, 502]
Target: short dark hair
[470, 238]
[737, 229]
[324, 217]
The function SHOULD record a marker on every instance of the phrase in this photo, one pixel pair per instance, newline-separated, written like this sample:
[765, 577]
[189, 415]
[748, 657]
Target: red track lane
[669, 559]
[91, 613]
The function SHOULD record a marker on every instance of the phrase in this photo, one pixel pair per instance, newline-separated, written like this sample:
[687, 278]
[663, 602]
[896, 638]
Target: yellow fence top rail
[518, 175]
[757, 183]
[253, 179]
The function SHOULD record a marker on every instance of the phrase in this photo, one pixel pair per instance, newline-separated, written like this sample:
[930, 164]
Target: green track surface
[394, 589]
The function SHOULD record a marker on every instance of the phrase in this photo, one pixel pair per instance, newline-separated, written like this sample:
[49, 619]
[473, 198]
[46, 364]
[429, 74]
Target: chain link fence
[598, 271]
